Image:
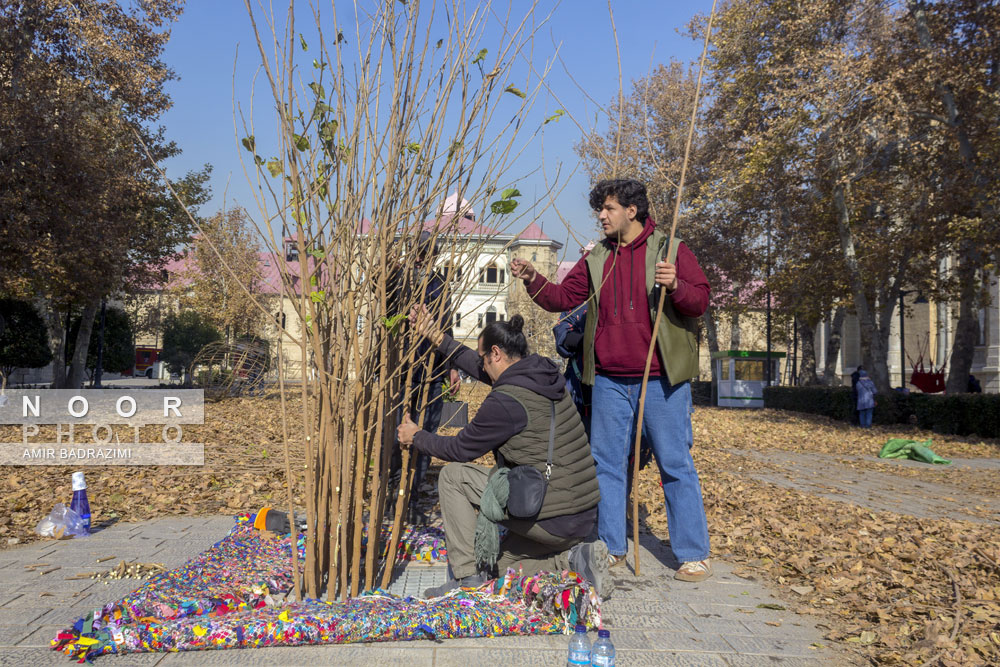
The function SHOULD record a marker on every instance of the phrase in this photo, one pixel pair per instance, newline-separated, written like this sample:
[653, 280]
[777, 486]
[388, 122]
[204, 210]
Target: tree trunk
[967, 329]
[734, 330]
[712, 333]
[873, 346]
[833, 346]
[57, 343]
[78, 365]
[807, 358]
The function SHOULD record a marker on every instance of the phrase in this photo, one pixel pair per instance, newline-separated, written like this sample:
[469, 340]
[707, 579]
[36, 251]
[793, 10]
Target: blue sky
[203, 52]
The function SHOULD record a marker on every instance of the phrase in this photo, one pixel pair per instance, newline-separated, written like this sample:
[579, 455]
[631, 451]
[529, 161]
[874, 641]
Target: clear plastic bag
[61, 523]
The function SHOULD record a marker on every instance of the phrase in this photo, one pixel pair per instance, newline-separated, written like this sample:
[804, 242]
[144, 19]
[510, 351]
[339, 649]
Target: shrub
[959, 414]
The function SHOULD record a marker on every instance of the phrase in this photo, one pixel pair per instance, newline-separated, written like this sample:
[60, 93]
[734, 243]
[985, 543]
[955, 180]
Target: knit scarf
[492, 509]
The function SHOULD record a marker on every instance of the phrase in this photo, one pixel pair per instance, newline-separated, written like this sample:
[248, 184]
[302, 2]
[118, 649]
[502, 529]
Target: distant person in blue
[866, 398]
[569, 338]
[569, 344]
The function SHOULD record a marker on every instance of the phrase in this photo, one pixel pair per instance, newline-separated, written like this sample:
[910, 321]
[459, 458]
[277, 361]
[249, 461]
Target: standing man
[405, 292]
[622, 277]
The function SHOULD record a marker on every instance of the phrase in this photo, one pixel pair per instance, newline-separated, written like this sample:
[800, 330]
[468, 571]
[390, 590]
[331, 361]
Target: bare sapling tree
[377, 120]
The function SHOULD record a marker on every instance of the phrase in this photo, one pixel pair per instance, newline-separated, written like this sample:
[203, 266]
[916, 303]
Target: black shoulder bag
[528, 485]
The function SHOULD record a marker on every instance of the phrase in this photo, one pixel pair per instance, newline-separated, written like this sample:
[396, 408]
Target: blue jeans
[667, 428]
[865, 417]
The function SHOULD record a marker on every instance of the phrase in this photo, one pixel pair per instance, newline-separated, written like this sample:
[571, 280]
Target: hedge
[961, 414]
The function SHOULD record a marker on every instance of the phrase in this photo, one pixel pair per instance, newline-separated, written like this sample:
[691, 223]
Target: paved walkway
[824, 475]
[653, 619]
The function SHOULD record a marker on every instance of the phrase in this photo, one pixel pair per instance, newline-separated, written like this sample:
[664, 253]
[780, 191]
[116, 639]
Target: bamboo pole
[663, 294]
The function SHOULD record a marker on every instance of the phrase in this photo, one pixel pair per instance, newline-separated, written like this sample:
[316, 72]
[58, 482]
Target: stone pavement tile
[21, 616]
[466, 657]
[722, 626]
[355, 655]
[654, 621]
[628, 658]
[740, 612]
[665, 640]
[543, 642]
[9, 597]
[744, 645]
[12, 634]
[41, 636]
[46, 657]
[788, 628]
[819, 660]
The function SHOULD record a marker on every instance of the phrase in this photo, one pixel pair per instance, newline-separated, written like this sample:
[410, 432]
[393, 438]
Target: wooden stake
[663, 295]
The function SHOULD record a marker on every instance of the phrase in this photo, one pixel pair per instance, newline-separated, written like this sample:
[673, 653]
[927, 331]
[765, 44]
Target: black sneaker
[472, 581]
[590, 560]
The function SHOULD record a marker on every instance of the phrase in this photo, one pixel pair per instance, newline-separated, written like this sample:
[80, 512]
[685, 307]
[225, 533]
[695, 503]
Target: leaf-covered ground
[893, 587]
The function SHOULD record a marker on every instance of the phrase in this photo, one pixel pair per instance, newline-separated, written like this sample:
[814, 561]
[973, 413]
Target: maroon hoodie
[624, 327]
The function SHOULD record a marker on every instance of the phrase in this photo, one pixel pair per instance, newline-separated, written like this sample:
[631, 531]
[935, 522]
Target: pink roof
[563, 269]
[269, 276]
[533, 233]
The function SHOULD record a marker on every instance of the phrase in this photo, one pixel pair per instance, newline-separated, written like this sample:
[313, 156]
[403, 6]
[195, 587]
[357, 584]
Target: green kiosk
[740, 376]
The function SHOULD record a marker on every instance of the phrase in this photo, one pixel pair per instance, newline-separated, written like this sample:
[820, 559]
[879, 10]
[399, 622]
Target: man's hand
[424, 325]
[455, 382]
[406, 431]
[522, 268]
[666, 275]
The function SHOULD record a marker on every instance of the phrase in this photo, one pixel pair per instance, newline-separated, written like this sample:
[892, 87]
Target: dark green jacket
[573, 484]
[677, 338]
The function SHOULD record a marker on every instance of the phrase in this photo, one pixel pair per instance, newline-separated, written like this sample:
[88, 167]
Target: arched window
[491, 315]
[490, 274]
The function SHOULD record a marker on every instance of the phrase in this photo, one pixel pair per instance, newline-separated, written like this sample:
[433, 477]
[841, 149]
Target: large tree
[83, 212]
[222, 277]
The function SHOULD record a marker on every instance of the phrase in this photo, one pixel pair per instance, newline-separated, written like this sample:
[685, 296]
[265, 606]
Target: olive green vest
[573, 485]
[677, 338]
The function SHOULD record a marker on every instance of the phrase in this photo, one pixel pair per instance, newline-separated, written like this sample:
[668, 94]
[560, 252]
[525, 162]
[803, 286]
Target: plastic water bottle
[80, 504]
[604, 651]
[579, 648]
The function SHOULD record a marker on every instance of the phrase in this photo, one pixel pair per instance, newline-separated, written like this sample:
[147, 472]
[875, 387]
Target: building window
[458, 319]
[491, 274]
[503, 276]
[291, 252]
[451, 272]
[491, 315]
[981, 337]
[480, 325]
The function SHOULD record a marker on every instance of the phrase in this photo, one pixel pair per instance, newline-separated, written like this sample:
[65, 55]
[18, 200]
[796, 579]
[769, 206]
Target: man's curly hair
[626, 191]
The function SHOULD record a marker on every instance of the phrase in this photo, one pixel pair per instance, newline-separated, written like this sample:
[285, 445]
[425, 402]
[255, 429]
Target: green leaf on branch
[317, 253]
[321, 109]
[510, 192]
[439, 43]
[317, 297]
[328, 130]
[275, 166]
[503, 206]
[480, 56]
[317, 64]
[319, 90]
[258, 160]
[313, 281]
[302, 42]
[514, 90]
[301, 142]
[393, 323]
[249, 143]
[556, 116]
[454, 148]
[413, 147]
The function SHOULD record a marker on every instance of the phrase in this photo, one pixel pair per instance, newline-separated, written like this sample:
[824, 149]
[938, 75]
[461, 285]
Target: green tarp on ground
[901, 448]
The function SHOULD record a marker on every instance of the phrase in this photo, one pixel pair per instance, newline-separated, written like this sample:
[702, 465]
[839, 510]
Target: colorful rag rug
[223, 599]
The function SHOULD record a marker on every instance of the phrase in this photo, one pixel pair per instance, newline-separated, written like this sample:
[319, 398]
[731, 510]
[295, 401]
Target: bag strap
[552, 440]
